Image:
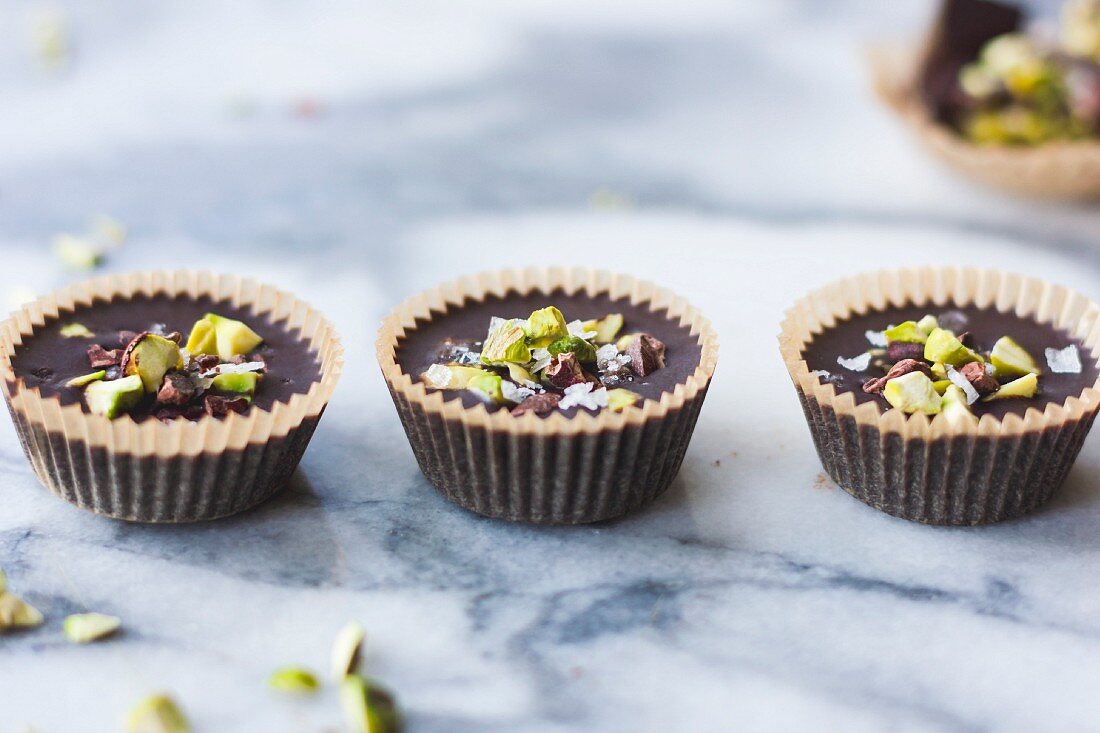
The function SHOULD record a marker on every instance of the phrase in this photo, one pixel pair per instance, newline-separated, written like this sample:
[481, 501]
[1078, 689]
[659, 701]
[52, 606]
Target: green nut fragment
[619, 399]
[150, 357]
[82, 628]
[157, 714]
[347, 647]
[939, 370]
[625, 341]
[607, 328]
[913, 392]
[518, 373]
[233, 338]
[294, 681]
[955, 407]
[941, 385]
[203, 339]
[942, 346]
[15, 613]
[76, 330]
[450, 376]
[584, 351]
[1026, 387]
[243, 383]
[77, 253]
[928, 324]
[86, 379]
[545, 326]
[1009, 359]
[3, 580]
[488, 385]
[507, 343]
[368, 708]
[111, 399]
[907, 332]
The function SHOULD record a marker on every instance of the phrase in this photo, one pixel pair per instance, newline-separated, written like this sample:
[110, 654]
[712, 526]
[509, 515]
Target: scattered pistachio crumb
[294, 681]
[347, 647]
[157, 714]
[82, 628]
[76, 330]
[77, 253]
[367, 707]
[15, 613]
[108, 231]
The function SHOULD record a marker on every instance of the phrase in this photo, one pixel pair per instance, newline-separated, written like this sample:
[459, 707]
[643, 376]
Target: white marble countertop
[747, 163]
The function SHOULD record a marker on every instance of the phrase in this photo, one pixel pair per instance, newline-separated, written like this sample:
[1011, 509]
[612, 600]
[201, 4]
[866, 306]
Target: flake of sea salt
[962, 383]
[438, 376]
[877, 338]
[856, 363]
[541, 358]
[1064, 361]
[582, 395]
[513, 393]
[248, 366]
[576, 328]
[605, 354]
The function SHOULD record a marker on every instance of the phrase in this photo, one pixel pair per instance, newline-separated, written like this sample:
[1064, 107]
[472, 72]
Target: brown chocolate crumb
[42, 373]
[219, 406]
[176, 389]
[564, 371]
[125, 337]
[901, 350]
[207, 362]
[903, 367]
[99, 357]
[540, 404]
[175, 337]
[168, 414]
[979, 379]
[647, 354]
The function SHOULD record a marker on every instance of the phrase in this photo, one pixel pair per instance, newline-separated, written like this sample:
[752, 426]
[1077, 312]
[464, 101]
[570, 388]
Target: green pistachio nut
[3, 580]
[15, 613]
[545, 326]
[157, 714]
[939, 370]
[507, 343]
[294, 681]
[243, 383]
[203, 339]
[607, 328]
[518, 373]
[625, 341]
[82, 628]
[955, 407]
[76, 330]
[367, 707]
[233, 338]
[941, 385]
[347, 648]
[86, 379]
[1025, 387]
[77, 253]
[942, 346]
[488, 385]
[913, 392]
[928, 324]
[113, 398]
[619, 399]
[908, 332]
[1009, 359]
[584, 351]
[150, 357]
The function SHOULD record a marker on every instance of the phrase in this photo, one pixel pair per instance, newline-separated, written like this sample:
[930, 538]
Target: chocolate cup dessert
[999, 457]
[918, 83]
[146, 463]
[569, 463]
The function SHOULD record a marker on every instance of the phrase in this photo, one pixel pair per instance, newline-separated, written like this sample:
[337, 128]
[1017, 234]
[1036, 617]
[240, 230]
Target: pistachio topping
[907, 332]
[157, 714]
[913, 392]
[1009, 359]
[16, 613]
[83, 628]
[1025, 387]
[367, 707]
[545, 326]
[115, 397]
[347, 647]
[294, 681]
[86, 379]
[943, 346]
[619, 399]
[506, 343]
[76, 330]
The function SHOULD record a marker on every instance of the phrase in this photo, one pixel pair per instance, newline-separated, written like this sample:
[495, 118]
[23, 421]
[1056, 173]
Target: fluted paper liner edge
[1028, 298]
[438, 301]
[1066, 170]
[179, 437]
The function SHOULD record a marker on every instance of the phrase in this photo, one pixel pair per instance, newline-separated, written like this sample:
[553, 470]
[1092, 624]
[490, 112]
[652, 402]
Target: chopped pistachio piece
[519, 373]
[113, 398]
[928, 324]
[939, 370]
[1009, 359]
[15, 613]
[607, 328]
[1026, 386]
[203, 339]
[619, 399]
[545, 326]
[3, 580]
[150, 357]
[507, 343]
[157, 714]
[913, 392]
[941, 385]
[955, 407]
[244, 383]
[76, 253]
[86, 379]
[367, 707]
[450, 376]
[584, 351]
[76, 330]
[907, 332]
[943, 346]
[487, 385]
[347, 647]
[81, 628]
[294, 680]
[233, 338]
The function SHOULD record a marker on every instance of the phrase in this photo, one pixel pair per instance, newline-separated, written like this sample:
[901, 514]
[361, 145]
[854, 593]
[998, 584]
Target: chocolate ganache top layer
[1056, 376]
[49, 359]
[429, 343]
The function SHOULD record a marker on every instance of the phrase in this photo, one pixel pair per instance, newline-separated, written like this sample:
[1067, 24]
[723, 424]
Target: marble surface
[356, 154]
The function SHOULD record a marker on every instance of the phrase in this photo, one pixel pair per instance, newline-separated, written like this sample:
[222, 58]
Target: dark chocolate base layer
[961, 480]
[179, 488]
[549, 479]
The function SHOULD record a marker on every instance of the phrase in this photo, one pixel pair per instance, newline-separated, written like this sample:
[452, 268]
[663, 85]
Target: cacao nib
[979, 379]
[903, 367]
[99, 357]
[218, 406]
[900, 350]
[176, 389]
[540, 404]
[564, 371]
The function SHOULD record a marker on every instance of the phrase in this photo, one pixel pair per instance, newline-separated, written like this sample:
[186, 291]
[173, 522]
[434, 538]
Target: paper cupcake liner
[1067, 171]
[167, 472]
[932, 470]
[555, 470]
